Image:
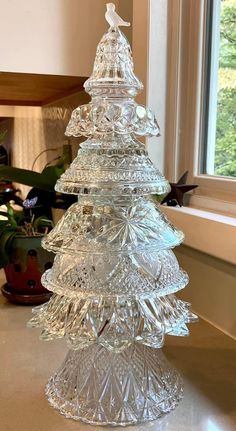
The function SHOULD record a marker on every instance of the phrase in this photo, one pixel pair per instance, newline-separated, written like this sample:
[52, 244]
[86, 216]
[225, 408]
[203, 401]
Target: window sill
[209, 232]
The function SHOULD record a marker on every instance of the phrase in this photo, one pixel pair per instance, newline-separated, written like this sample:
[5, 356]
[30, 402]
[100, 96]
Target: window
[219, 129]
[201, 100]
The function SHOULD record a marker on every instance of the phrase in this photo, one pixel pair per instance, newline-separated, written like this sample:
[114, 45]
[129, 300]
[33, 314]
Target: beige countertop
[206, 359]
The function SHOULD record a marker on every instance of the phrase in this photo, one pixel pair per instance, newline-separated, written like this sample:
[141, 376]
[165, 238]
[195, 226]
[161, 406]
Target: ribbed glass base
[105, 388]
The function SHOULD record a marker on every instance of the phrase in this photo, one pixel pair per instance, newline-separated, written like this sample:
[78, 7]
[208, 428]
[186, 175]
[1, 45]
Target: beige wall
[140, 43]
[48, 36]
[125, 10]
[7, 125]
[27, 139]
[212, 288]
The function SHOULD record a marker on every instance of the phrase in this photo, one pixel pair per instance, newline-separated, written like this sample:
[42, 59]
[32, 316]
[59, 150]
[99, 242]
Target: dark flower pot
[28, 261]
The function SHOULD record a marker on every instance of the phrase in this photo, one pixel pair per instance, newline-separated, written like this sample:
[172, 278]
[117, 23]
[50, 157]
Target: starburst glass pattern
[113, 228]
[114, 277]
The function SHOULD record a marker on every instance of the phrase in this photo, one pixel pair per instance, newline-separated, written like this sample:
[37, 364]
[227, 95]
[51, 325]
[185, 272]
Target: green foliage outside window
[225, 151]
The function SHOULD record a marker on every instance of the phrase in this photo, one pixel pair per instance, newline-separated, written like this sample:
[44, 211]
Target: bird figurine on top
[113, 18]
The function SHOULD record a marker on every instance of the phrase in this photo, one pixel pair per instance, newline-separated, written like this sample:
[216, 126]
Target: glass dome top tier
[112, 161]
[113, 74]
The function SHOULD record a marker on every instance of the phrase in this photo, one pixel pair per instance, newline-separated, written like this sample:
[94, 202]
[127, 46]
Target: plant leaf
[42, 221]
[44, 181]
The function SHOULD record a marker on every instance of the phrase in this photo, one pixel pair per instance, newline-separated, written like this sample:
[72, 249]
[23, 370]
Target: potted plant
[21, 254]
[42, 185]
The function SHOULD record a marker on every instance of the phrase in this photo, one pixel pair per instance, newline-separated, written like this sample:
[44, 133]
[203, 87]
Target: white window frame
[185, 86]
[209, 152]
[149, 45]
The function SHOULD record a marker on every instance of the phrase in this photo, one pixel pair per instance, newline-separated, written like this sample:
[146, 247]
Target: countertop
[206, 359]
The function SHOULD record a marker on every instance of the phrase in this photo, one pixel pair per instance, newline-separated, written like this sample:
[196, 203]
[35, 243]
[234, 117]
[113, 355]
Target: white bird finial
[113, 18]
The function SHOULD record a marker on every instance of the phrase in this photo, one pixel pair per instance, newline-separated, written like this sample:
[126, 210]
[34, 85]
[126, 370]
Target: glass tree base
[106, 388]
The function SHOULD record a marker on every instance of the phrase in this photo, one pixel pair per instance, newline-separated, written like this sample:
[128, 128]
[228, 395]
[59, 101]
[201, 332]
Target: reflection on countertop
[206, 359]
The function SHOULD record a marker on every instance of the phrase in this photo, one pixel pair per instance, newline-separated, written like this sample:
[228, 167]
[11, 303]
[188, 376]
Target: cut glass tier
[107, 117]
[119, 227]
[150, 274]
[114, 322]
[106, 388]
[115, 170]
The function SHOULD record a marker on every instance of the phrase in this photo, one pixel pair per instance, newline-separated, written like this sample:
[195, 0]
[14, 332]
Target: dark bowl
[17, 298]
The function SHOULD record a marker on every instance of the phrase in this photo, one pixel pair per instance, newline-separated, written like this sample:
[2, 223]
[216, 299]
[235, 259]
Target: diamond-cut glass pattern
[122, 389]
[150, 274]
[115, 276]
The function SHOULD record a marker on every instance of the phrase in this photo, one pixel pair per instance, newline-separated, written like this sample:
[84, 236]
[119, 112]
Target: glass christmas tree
[114, 274]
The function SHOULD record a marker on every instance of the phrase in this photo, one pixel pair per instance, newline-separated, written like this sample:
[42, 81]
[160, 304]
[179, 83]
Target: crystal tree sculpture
[114, 274]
